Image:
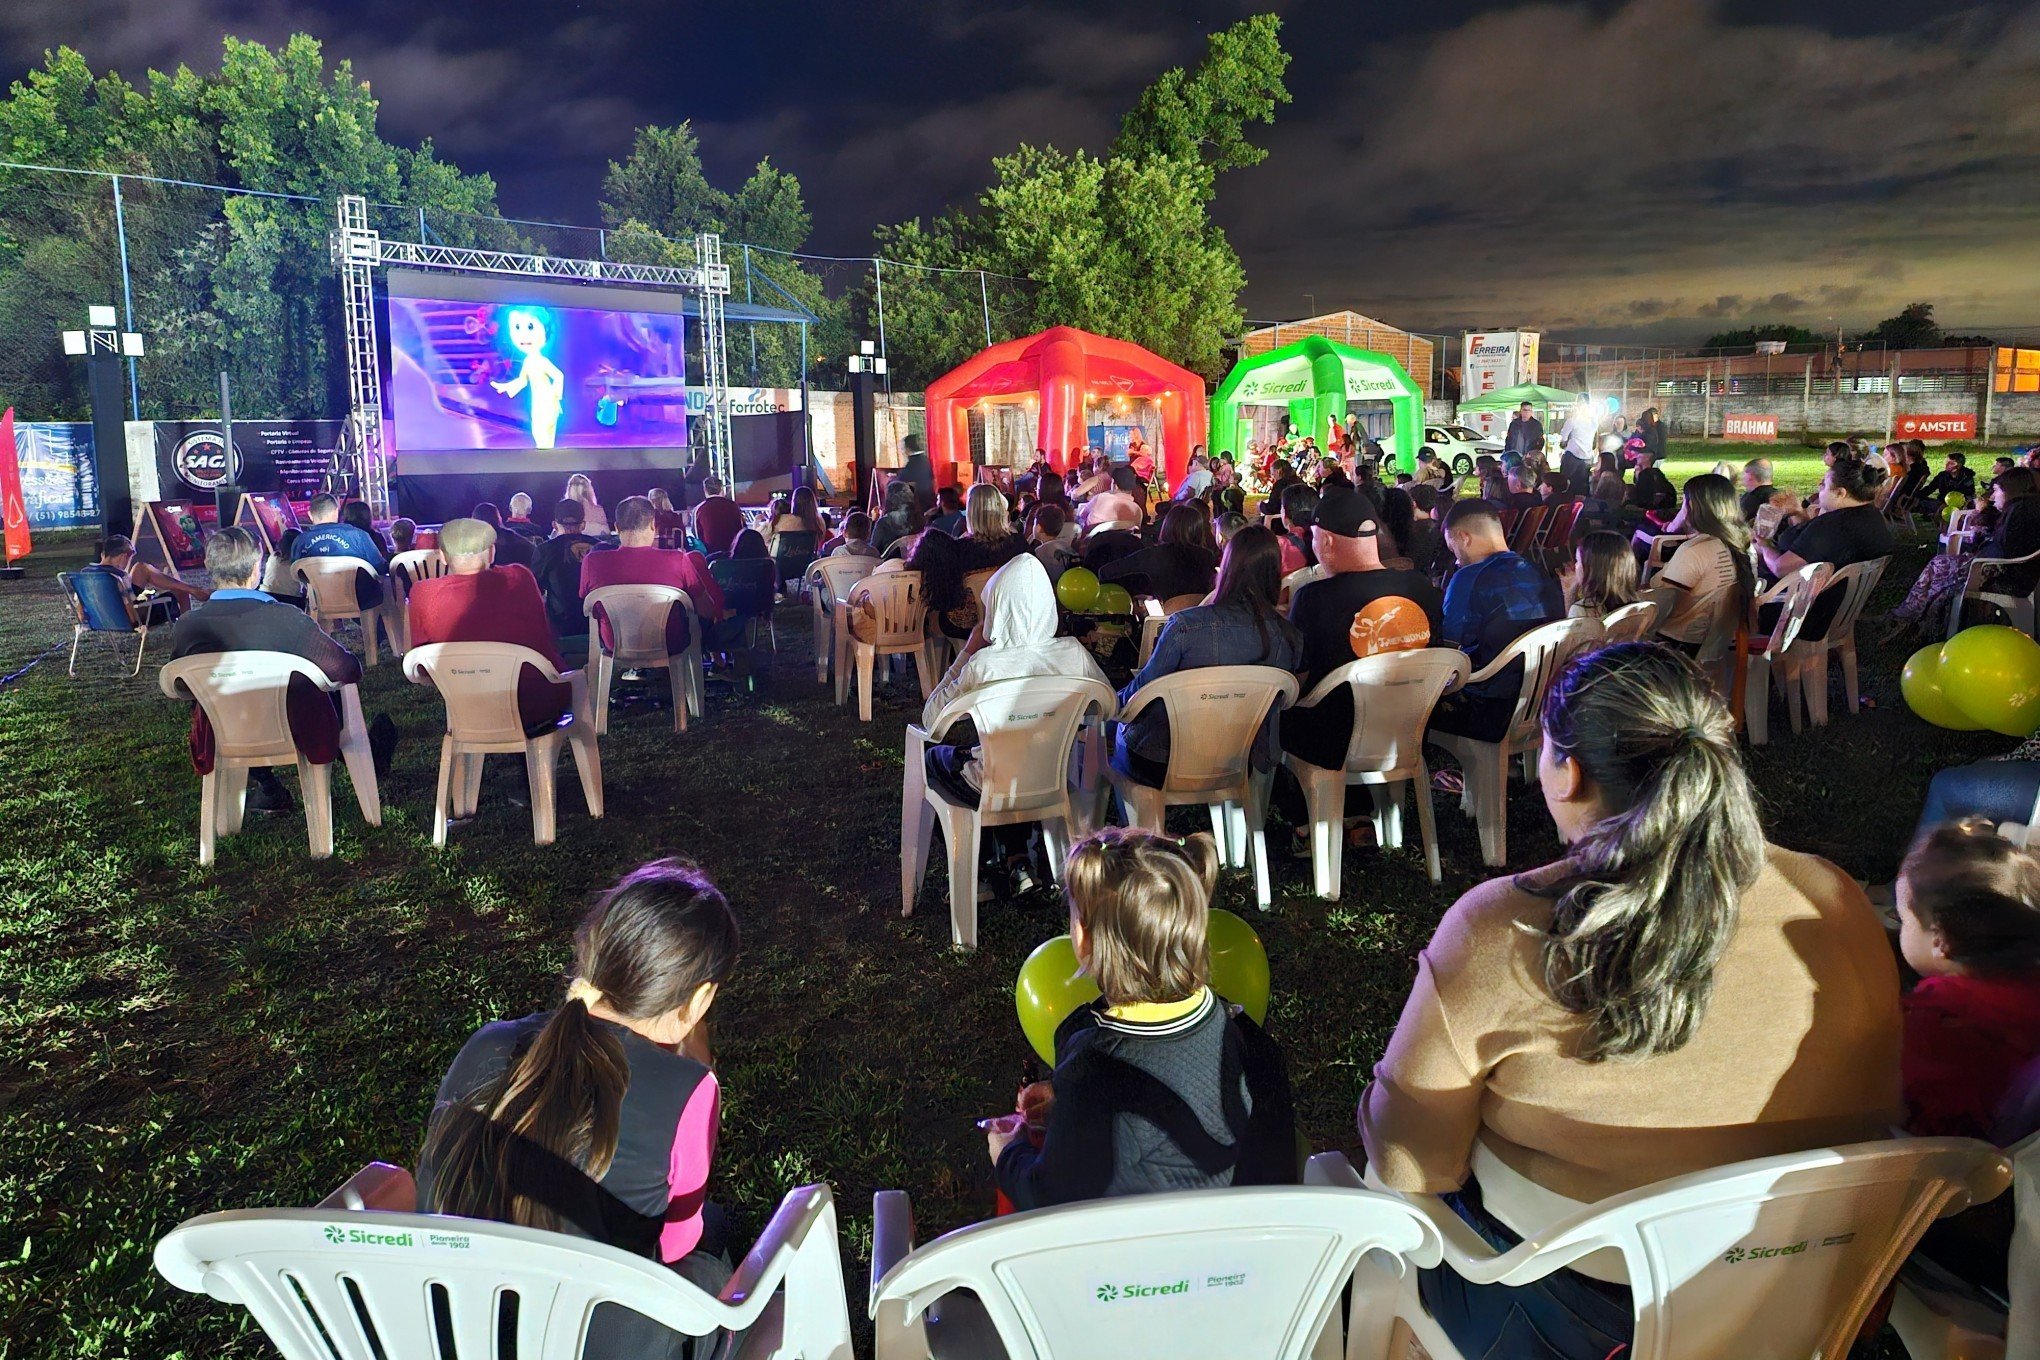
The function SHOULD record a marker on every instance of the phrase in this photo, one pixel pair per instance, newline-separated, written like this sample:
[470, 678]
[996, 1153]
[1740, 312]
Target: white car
[1458, 446]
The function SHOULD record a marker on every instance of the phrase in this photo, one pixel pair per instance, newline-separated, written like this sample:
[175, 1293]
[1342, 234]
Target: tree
[1203, 115]
[1912, 328]
[1122, 244]
[1750, 335]
[231, 282]
[659, 199]
[662, 186]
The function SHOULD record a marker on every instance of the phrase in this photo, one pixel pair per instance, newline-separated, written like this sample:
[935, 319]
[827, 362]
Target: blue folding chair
[100, 604]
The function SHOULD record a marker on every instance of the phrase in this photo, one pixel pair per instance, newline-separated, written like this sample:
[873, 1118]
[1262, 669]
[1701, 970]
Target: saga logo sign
[204, 461]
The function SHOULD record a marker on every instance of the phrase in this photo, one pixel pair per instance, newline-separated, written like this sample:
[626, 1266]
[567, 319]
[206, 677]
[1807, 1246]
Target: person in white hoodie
[1014, 638]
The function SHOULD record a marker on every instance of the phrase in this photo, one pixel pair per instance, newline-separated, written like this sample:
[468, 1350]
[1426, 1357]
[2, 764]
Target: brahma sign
[1935, 428]
[1764, 428]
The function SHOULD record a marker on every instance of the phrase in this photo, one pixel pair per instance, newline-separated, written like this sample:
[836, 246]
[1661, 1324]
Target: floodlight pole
[102, 344]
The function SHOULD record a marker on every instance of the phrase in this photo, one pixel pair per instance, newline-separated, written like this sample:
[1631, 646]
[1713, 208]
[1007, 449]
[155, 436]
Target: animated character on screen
[548, 385]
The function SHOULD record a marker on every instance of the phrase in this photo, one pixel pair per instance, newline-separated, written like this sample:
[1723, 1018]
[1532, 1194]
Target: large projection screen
[492, 374]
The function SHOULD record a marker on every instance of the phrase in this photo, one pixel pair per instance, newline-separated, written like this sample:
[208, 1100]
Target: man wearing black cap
[1345, 533]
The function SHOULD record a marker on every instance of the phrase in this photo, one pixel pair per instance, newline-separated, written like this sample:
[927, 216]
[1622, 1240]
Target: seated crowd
[1674, 994]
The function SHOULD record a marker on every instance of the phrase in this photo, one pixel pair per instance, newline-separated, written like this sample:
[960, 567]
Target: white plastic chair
[1662, 546]
[1941, 1317]
[382, 1281]
[1630, 623]
[1151, 623]
[900, 623]
[407, 569]
[1955, 538]
[1297, 580]
[1215, 714]
[1855, 581]
[2018, 608]
[637, 617]
[1393, 695]
[1781, 1256]
[1794, 594]
[478, 683]
[1027, 730]
[329, 598]
[245, 696]
[828, 581]
[1544, 652]
[1201, 1273]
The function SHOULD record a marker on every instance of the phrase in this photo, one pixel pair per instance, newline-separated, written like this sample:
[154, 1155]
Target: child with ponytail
[599, 1118]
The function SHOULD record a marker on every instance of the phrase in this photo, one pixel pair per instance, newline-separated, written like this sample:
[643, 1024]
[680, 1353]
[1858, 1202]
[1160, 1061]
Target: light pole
[103, 345]
[1310, 304]
[864, 366]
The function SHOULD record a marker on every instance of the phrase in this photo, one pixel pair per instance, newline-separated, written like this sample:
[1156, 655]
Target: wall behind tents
[58, 483]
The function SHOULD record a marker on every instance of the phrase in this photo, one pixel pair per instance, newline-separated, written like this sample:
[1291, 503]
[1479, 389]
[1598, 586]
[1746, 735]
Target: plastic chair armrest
[377, 1186]
[1332, 1169]
[1493, 668]
[765, 1265]
[1137, 703]
[892, 1236]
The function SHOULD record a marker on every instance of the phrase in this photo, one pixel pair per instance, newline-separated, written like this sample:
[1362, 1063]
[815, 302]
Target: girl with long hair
[1712, 574]
[1671, 996]
[1602, 578]
[1238, 624]
[598, 1117]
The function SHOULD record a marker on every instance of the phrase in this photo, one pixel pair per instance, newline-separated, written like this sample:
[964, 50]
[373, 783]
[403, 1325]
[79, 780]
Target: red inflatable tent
[1066, 369]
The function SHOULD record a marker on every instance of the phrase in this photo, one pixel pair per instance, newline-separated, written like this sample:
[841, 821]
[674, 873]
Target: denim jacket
[1209, 635]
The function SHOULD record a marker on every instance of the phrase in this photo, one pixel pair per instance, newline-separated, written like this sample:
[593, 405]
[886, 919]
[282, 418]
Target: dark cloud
[1638, 169]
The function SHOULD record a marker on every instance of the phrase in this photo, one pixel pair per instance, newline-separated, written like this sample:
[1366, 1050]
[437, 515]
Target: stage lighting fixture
[74, 342]
[101, 316]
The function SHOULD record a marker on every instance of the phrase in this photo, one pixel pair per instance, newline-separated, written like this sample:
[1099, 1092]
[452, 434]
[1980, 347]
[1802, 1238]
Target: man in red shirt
[717, 520]
[477, 601]
[640, 562]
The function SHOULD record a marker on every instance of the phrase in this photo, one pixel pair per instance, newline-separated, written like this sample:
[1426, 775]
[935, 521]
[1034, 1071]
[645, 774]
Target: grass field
[177, 1040]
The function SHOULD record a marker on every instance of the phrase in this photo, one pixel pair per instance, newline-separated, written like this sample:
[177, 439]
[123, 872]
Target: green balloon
[1921, 684]
[1078, 589]
[1113, 599]
[1956, 500]
[1992, 674]
[1050, 986]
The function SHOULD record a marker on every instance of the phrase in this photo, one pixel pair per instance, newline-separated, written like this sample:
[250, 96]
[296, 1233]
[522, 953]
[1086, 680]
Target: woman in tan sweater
[1674, 995]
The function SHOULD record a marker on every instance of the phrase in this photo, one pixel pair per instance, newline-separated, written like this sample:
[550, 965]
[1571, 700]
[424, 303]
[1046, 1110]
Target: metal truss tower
[358, 250]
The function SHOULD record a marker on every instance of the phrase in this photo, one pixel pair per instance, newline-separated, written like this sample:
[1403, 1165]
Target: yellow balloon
[1239, 965]
[1050, 987]
[1920, 683]
[1992, 675]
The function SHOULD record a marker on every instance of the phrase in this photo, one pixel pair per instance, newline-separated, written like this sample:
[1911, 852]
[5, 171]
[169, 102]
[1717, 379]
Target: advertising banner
[1757, 429]
[59, 484]
[13, 512]
[169, 459]
[1935, 428]
[1491, 361]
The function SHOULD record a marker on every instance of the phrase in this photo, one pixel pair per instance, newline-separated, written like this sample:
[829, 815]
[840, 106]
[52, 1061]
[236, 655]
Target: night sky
[1650, 170]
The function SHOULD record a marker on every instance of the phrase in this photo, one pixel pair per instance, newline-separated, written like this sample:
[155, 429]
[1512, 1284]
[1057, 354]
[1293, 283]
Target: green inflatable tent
[1314, 379]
